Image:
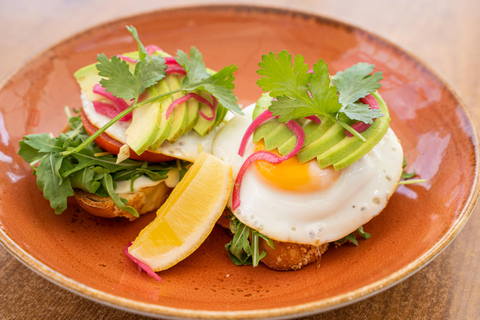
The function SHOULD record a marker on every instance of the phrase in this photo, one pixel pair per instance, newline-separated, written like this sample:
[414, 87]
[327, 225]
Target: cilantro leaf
[324, 95]
[54, 189]
[195, 67]
[142, 51]
[354, 83]
[281, 79]
[361, 112]
[122, 83]
[298, 93]
[219, 84]
[118, 78]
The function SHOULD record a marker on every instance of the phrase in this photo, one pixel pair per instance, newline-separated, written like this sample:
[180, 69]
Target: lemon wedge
[187, 217]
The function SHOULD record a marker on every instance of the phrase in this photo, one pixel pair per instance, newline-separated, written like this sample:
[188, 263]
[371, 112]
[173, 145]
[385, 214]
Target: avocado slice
[179, 114]
[87, 78]
[143, 130]
[351, 149]
[204, 126]
[330, 138]
[164, 124]
[326, 140]
[192, 114]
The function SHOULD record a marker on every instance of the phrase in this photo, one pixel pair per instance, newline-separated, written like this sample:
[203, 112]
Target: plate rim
[300, 310]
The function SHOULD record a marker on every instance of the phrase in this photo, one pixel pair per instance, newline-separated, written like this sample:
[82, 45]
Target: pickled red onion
[118, 104]
[314, 118]
[362, 126]
[268, 156]
[141, 265]
[200, 99]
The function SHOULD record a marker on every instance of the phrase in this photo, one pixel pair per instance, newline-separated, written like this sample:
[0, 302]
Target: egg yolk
[291, 175]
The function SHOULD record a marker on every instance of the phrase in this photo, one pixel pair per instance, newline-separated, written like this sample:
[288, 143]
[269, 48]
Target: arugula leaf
[240, 250]
[109, 185]
[57, 175]
[405, 174]
[219, 84]
[54, 189]
[353, 238]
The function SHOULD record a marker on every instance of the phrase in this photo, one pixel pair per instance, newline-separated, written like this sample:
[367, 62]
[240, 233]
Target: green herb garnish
[241, 250]
[58, 174]
[353, 238]
[300, 94]
[409, 175]
[149, 70]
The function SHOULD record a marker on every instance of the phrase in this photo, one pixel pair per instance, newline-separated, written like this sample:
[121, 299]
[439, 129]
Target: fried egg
[187, 147]
[302, 203]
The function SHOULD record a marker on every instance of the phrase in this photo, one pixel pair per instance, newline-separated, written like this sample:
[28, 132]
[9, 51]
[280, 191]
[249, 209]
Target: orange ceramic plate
[85, 254]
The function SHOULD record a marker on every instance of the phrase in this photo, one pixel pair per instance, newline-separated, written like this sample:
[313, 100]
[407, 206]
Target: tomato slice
[111, 145]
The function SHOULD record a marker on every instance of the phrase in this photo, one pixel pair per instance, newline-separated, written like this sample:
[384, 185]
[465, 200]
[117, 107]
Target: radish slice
[271, 157]
[362, 126]
[200, 99]
[141, 265]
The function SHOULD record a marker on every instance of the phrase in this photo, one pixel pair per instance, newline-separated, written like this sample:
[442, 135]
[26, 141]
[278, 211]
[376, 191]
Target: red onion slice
[141, 265]
[200, 99]
[362, 126]
[271, 157]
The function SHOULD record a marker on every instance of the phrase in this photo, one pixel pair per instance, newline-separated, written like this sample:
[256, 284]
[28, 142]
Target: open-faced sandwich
[306, 166]
[149, 114]
[314, 160]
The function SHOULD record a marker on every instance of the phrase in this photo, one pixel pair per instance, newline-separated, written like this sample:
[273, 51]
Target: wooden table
[443, 33]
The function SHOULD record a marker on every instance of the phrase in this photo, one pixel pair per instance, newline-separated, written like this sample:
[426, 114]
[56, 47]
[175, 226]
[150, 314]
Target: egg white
[360, 193]
[188, 147]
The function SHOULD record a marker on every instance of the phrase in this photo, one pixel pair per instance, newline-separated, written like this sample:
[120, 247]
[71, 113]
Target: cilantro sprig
[149, 70]
[90, 169]
[299, 93]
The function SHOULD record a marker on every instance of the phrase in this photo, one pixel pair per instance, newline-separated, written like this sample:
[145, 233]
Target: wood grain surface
[444, 34]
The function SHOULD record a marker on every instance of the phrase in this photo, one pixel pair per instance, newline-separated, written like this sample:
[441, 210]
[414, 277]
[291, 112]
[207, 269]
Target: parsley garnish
[299, 93]
[149, 70]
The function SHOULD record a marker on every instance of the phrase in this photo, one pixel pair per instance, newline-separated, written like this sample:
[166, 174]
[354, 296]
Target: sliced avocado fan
[325, 141]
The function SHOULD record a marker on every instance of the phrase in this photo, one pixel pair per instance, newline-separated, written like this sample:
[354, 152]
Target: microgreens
[299, 93]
